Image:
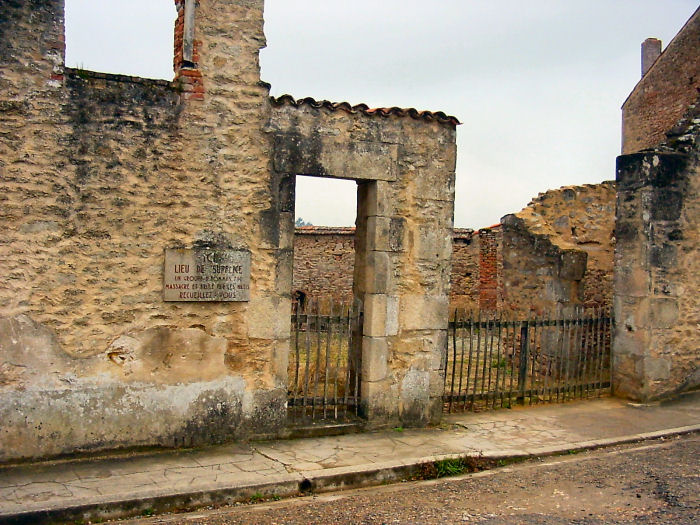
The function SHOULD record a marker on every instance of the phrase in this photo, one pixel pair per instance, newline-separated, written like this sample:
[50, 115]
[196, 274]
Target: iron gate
[493, 362]
[324, 361]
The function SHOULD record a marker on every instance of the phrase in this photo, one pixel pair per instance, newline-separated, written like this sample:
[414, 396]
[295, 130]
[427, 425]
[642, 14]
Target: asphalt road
[648, 483]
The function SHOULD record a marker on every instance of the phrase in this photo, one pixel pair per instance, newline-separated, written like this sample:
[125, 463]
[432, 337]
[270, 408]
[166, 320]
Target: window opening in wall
[96, 42]
[326, 202]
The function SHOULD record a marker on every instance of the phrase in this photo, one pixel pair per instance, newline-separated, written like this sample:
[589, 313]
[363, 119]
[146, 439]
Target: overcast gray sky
[537, 84]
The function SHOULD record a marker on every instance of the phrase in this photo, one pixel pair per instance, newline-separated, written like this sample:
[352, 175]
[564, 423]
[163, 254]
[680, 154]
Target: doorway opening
[326, 324]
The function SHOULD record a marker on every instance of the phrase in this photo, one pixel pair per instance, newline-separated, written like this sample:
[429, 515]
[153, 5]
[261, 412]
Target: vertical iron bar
[471, 348]
[489, 391]
[585, 389]
[348, 358]
[461, 358]
[601, 343]
[577, 355]
[608, 353]
[498, 362]
[486, 358]
[478, 350]
[568, 358]
[358, 357]
[318, 359]
[547, 355]
[560, 354]
[454, 361]
[534, 352]
[297, 329]
[329, 333]
[524, 350]
[513, 325]
[337, 361]
[307, 342]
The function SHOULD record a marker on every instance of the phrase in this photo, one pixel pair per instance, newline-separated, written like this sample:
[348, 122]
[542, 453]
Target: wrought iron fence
[494, 362]
[324, 362]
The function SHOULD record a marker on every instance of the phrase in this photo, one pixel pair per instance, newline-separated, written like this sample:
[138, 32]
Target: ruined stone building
[148, 243]
[657, 264]
[556, 252]
[147, 233]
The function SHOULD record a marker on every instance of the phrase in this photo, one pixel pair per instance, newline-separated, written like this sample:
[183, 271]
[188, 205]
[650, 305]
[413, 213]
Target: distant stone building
[670, 83]
[557, 252]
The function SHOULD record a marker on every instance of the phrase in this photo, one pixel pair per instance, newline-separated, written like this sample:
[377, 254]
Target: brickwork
[464, 290]
[662, 95]
[324, 262]
[489, 275]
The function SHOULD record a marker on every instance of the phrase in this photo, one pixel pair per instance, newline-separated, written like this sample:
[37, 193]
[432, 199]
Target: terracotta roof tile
[459, 233]
[364, 108]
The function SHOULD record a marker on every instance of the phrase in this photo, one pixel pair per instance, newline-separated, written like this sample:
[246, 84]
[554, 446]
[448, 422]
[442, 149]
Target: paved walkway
[172, 480]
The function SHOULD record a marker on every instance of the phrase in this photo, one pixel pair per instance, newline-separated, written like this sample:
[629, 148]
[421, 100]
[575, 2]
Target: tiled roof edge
[460, 233]
[438, 116]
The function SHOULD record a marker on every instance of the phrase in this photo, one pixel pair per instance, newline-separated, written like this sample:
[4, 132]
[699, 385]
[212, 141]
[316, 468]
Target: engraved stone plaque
[206, 275]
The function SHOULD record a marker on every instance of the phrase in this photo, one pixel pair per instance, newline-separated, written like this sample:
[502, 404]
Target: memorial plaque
[206, 275]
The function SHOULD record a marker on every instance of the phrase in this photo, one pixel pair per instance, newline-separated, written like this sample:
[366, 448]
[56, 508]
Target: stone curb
[341, 478]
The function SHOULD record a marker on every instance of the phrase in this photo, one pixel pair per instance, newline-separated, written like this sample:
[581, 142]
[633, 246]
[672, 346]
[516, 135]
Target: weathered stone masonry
[657, 268]
[528, 273]
[101, 173]
[656, 345]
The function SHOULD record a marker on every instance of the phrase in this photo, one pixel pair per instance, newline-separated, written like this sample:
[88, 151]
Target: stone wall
[662, 95]
[102, 173]
[403, 241]
[324, 262]
[657, 268]
[572, 223]
[576, 218]
[464, 279]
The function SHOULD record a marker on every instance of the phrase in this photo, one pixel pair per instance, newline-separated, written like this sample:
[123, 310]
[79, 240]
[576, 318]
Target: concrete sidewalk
[119, 486]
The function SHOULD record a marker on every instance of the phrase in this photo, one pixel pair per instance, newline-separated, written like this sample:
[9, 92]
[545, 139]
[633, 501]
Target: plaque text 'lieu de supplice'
[206, 275]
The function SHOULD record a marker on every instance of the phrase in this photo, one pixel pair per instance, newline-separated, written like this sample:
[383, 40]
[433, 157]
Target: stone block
[268, 318]
[284, 272]
[378, 199]
[631, 280]
[573, 265]
[423, 312]
[378, 233]
[664, 312]
[434, 244]
[375, 355]
[286, 231]
[656, 369]
[377, 272]
[375, 315]
[392, 315]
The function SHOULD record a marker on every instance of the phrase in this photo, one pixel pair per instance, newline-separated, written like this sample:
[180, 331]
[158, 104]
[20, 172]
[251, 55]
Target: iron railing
[324, 362]
[492, 361]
